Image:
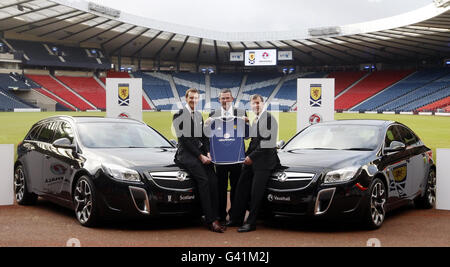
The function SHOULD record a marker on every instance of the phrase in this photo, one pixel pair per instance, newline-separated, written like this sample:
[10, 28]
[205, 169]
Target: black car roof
[359, 122]
[91, 119]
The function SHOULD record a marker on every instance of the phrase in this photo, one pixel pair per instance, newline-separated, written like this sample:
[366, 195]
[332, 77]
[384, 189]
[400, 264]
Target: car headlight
[121, 173]
[341, 175]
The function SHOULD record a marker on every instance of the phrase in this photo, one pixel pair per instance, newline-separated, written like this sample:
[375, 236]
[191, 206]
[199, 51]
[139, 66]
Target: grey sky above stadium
[264, 15]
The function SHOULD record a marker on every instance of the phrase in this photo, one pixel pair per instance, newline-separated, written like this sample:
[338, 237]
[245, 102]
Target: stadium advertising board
[284, 55]
[124, 98]
[261, 57]
[315, 101]
[236, 56]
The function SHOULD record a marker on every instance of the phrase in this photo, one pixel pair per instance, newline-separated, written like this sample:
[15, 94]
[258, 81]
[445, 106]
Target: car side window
[34, 133]
[47, 132]
[392, 134]
[408, 137]
[64, 130]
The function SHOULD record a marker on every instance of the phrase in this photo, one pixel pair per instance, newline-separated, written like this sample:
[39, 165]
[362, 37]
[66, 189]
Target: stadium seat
[343, 79]
[440, 104]
[88, 88]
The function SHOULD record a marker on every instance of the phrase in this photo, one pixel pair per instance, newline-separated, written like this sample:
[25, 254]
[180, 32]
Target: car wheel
[428, 200]
[23, 196]
[84, 198]
[375, 212]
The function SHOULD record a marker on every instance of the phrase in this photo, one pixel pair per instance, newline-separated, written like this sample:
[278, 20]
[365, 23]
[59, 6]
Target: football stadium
[58, 56]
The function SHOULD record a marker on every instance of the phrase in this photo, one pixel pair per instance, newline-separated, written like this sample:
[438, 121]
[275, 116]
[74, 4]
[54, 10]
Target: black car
[355, 170]
[102, 168]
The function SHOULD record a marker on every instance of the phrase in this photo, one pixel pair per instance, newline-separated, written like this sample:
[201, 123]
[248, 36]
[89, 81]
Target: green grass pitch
[433, 130]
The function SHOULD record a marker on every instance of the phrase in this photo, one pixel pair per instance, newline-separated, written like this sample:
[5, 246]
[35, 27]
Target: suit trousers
[224, 172]
[206, 181]
[250, 188]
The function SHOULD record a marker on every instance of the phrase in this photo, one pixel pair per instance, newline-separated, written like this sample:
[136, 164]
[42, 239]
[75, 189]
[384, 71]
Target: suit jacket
[263, 145]
[192, 141]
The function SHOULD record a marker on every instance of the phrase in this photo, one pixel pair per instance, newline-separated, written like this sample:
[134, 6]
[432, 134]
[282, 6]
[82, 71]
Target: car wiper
[164, 147]
[358, 149]
[322, 148]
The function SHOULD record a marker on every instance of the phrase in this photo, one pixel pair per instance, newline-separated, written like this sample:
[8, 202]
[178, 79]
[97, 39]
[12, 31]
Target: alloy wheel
[377, 202]
[19, 184]
[83, 201]
[431, 188]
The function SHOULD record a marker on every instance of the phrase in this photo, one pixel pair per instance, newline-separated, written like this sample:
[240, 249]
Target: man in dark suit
[193, 155]
[259, 164]
[231, 171]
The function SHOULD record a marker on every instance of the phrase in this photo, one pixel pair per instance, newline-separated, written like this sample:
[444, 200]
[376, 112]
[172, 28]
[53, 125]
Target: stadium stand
[88, 88]
[185, 80]
[262, 83]
[8, 102]
[49, 83]
[440, 104]
[15, 81]
[158, 90]
[343, 79]
[369, 86]
[424, 95]
[221, 81]
[412, 82]
[43, 54]
[287, 95]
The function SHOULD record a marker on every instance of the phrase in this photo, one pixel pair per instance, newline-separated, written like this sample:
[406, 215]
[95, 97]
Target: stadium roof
[420, 34]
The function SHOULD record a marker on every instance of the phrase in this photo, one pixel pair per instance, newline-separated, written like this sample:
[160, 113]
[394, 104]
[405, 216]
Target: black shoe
[232, 224]
[246, 228]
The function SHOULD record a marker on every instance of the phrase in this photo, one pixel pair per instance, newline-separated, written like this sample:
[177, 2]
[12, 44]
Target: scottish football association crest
[251, 57]
[124, 94]
[315, 99]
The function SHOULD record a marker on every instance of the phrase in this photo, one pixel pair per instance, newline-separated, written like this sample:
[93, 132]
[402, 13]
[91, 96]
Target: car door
[32, 159]
[395, 165]
[57, 165]
[43, 147]
[417, 161]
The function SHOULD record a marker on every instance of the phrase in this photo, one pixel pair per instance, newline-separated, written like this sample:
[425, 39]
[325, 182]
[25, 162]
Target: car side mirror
[64, 143]
[173, 142]
[395, 147]
[280, 144]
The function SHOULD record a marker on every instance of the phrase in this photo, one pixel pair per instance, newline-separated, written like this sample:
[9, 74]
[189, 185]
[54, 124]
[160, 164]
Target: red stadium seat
[88, 88]
[343, 79]
[443, 103]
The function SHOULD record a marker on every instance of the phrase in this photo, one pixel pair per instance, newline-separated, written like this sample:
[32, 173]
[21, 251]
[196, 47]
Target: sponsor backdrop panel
[261, 57]
[124, 98]
[6, 174]
[443, 179]
[315, 101]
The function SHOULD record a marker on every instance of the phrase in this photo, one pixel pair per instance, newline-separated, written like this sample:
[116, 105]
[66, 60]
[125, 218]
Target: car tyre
[428, 200]
[21, 190]
[375, 211]
[85, 202]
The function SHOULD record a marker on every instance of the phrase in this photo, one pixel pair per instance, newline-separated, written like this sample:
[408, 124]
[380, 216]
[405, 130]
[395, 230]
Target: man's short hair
[191, 90]
[225, 91]
[255, 96]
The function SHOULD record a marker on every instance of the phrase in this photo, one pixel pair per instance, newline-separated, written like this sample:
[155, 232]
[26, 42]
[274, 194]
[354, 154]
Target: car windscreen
[336, 137]
[119, 135]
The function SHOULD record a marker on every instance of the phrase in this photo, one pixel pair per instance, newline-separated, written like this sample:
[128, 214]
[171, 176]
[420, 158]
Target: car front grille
[290, 180]
[171, 181]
